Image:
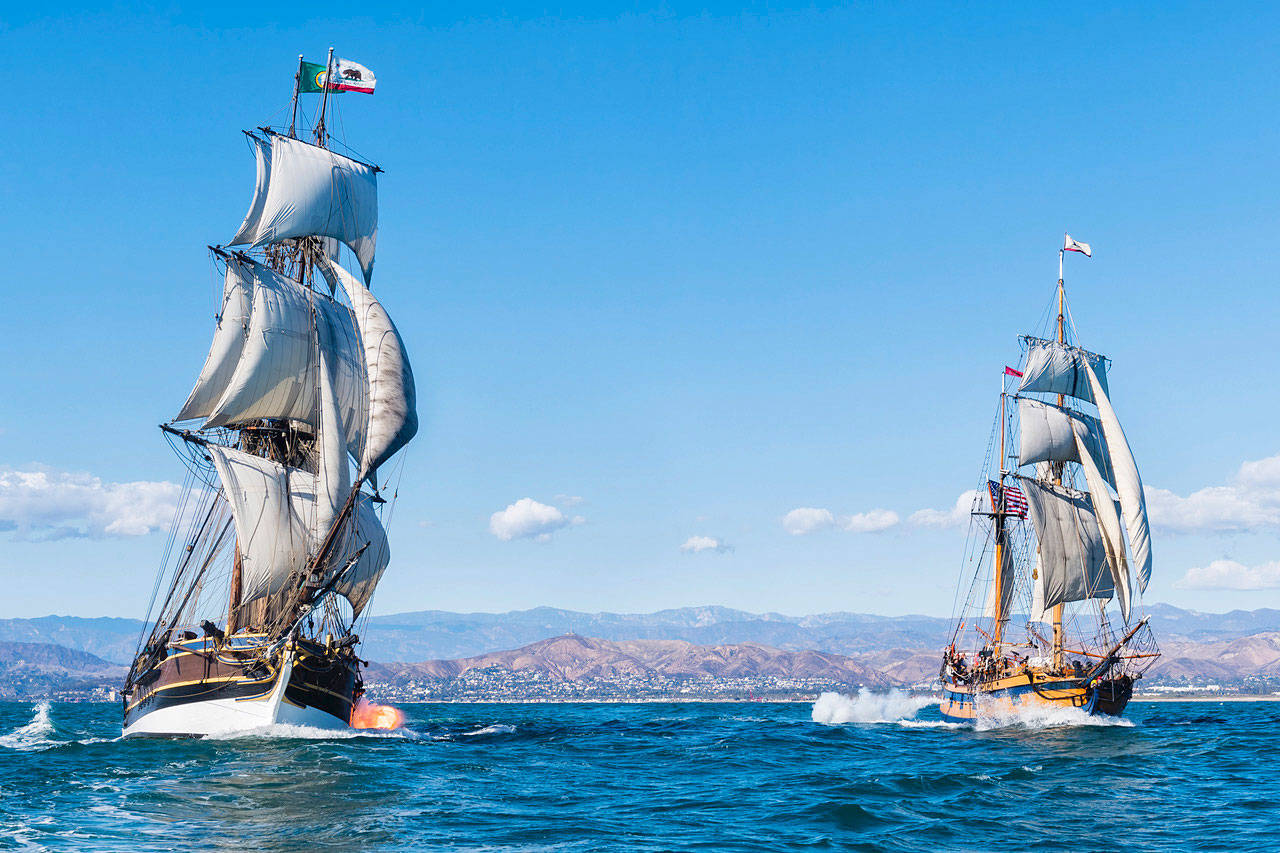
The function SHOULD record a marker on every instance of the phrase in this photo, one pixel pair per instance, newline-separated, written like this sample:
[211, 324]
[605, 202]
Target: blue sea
[868, 772]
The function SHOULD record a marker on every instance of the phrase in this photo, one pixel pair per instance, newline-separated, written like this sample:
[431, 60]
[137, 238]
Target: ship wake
[1040, 717]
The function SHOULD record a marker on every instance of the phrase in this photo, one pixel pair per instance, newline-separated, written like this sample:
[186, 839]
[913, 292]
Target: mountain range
[443, 635]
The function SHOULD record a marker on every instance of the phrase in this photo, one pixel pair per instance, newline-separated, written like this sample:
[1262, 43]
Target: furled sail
[276, 373]
[228, 342]
[1133, 503]
[313, 191]
[1048, 433]
[1057, 368]
[253, 219]
[393, 415]
[274, 512]
[1073, 559]
[1109, 522]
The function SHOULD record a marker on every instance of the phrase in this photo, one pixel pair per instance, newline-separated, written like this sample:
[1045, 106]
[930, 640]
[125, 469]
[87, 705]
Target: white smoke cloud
[42, 503]
[698, 544]
[1228, 574]
[528, 519]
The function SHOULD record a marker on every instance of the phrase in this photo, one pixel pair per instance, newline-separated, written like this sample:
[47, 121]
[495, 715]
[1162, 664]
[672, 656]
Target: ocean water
[868, 772]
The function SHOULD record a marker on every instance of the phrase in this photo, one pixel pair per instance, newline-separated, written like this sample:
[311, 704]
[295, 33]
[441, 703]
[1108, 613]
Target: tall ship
[1059, 553]
[279, 542]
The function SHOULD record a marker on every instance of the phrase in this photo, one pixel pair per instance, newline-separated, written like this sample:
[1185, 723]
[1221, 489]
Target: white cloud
[568, 500]
[869, 522]
[807, 519]
[1250, 502]
[1228, 574]
[698, 544]
[45, 504]
[528, 519]
[957, 516]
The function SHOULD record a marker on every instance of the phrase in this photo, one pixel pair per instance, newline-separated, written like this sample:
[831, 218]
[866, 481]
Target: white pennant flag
[1073, 246]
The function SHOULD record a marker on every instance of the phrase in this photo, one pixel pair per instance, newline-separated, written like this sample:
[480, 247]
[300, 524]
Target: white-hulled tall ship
[278, 542]
[1059, 529]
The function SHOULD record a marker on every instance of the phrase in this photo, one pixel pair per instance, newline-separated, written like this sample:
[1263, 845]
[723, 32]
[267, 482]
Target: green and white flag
[347, 77]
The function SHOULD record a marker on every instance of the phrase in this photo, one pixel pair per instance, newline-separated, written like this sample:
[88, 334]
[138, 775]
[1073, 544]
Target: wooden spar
[1057, 608]
[997, 580]
[233, 604]
[293, 111]
[324, 100]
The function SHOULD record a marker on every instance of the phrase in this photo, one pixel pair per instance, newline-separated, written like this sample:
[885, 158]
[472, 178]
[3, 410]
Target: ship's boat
[1050, 613]
[278, 543]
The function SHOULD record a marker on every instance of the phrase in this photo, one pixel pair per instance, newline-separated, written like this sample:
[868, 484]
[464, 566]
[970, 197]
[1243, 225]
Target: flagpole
[324, 100]
[293, 112]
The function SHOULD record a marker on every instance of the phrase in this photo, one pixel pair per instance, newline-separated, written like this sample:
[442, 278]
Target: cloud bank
[45, 504]
[1228, 574]
[806, 519]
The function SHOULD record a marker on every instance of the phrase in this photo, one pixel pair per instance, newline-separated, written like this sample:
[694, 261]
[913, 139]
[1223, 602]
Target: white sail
[1073, 559]
[1056, 368]
[358, 584]
[393, 415]
[333, 477]
[1047, 433]
[253, 219]
[1133, 503]
[315, 192]
[228, 342]
[274, 512]
[276, 374]
[1108, 521]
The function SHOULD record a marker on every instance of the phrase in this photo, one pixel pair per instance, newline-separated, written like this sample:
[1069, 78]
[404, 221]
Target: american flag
[1015, 502]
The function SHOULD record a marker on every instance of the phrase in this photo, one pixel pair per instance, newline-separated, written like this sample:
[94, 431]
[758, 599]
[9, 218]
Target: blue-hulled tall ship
[306, 393]
[1050, 614]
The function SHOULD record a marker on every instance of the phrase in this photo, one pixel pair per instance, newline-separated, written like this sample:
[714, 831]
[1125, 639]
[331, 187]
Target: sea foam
[868, 707]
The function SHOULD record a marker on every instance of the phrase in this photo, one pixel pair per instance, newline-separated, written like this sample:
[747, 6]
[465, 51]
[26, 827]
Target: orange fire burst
[366, 715]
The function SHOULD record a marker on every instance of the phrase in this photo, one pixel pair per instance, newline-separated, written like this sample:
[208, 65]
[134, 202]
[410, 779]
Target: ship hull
[200, 690]
[1030, 692]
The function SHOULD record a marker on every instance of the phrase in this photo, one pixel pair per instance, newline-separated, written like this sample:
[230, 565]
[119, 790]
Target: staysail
[1109, 523]
[1133, 503]
[392, 407]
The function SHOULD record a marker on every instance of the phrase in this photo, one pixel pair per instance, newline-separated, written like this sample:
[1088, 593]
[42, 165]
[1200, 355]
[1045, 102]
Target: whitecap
[35, 735]
[868, 707]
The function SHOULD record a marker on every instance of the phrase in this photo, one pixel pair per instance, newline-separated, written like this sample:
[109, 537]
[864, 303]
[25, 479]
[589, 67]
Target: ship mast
[1057, 479]
[997, 580]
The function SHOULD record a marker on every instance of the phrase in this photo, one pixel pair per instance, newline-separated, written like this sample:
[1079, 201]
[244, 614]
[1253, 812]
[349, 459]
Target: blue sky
[672, 273]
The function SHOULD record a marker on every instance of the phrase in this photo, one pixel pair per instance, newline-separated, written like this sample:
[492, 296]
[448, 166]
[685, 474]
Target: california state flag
[1070, 245]
[351, 76]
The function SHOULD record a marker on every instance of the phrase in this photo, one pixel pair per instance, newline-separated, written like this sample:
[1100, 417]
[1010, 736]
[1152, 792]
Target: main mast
[1057, 478]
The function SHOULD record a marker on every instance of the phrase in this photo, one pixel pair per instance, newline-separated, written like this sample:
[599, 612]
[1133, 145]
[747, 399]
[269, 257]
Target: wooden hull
[202, 688]
[1033, 691]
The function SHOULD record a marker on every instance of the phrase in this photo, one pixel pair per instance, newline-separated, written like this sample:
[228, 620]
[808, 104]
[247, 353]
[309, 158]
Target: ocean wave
[1038, 716]
[35, 735]
[867, 707]
[287, 731]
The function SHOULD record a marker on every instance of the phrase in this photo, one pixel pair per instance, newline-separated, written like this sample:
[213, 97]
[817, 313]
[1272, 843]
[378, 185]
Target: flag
[348, 76]
[1009, 371]
[1013, 503]
[1070, 245]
